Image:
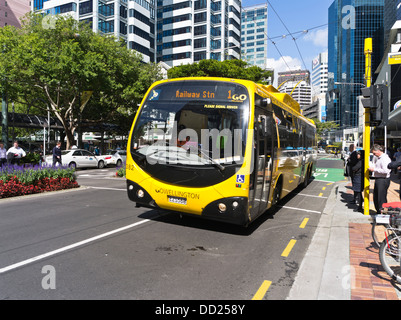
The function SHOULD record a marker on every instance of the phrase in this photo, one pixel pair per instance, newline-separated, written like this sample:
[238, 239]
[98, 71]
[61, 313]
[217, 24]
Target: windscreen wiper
[214, 162]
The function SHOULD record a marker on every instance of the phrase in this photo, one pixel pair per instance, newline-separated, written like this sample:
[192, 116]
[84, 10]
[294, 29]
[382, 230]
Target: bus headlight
[235, 205]
[222, 207]
[140, 193]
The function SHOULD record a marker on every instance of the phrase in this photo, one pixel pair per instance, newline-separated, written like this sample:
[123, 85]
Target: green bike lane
[329, 170]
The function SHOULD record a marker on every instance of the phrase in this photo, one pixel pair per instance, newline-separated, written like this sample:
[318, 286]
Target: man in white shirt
[15, 153]
[3, 155]
[381, 175]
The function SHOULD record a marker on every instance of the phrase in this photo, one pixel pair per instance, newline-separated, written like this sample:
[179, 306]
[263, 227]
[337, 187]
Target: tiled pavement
[368, 279]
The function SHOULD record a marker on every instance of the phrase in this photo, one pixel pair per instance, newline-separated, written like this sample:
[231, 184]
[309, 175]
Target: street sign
[394, 58]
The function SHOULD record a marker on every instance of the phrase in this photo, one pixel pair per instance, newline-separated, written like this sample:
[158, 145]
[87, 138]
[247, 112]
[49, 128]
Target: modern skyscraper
[190, 31]
[320, 73]
[254, 35]
[350, 22]
[12, 10]
[398, 8]
[175, 32]
[319, 79]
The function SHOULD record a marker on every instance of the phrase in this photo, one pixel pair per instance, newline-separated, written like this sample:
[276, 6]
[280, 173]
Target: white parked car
[78, 158]
[113, 157]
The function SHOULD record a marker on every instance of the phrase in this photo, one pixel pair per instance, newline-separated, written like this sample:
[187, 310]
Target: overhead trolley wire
[291, 34]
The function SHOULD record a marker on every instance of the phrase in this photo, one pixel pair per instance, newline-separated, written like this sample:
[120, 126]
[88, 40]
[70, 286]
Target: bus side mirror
[266, 102]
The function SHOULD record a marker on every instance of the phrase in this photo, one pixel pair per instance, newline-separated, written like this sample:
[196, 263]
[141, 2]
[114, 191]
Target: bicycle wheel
[389, 255]
[379, 232]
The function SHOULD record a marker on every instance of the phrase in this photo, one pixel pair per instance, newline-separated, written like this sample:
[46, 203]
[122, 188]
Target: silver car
[78, 158]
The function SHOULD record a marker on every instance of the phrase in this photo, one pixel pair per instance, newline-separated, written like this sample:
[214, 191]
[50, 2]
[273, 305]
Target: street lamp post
[4, 122]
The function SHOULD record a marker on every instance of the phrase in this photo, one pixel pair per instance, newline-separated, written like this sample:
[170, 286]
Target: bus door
[302, 145]
[262, 161]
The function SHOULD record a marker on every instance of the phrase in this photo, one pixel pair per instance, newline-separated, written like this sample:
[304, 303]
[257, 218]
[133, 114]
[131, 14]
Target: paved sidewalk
[342, 262]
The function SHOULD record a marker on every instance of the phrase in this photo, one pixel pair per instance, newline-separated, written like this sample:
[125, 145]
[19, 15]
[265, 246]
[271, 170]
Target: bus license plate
[177, 200]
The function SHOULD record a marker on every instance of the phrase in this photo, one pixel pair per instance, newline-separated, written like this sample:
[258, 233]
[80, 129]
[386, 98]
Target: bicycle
[379, 229]
[390, 248]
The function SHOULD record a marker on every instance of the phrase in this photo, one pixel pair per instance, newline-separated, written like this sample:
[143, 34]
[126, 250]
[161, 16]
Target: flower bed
[23, 180]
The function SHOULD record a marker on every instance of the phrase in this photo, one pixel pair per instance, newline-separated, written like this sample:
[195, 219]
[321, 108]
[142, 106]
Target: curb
[42, 194]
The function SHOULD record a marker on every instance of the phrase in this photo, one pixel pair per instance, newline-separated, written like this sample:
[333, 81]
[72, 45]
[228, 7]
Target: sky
[296, 16]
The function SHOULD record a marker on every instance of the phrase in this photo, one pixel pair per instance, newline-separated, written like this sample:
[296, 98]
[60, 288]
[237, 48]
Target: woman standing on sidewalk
[357, 185]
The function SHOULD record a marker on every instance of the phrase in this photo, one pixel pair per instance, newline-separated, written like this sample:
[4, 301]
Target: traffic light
[379, 116]
[375, 97]
[369, 97]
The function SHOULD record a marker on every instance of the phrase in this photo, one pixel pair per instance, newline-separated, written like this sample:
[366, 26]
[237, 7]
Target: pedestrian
[15, 153]
[357, 182]
[351, 161]
[381, 175]
[396, 165]
[397, 154]
[3, 155]
[57, 154]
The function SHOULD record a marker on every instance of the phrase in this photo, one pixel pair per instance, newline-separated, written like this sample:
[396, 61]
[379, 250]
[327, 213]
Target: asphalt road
[92, 243]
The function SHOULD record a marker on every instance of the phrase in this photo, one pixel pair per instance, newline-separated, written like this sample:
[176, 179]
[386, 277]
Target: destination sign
[200, 90]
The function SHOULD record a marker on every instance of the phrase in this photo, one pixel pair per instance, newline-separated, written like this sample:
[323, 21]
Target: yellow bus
[331, 149]
[221, 149]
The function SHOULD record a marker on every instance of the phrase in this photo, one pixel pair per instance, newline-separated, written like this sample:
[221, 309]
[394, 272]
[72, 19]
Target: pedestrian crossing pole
[366, 131]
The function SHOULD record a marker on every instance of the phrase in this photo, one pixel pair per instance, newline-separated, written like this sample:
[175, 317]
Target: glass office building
[398, 9]
[350, 22]
[254, 35]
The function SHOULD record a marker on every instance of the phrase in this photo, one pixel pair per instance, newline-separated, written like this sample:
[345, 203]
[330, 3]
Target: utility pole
[366, 131]
[4, 122]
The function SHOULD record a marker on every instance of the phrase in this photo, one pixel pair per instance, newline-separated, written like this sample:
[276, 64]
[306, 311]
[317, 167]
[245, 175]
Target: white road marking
[309, 195]
[69, 247]
[104, 188]
[299, 209]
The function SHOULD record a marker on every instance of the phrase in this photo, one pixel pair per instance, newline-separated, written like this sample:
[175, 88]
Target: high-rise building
[190, 31]
[389, 17]
[254, 35]
[11, 11]
[320, 74]
[174, 32]
[133, 21]
[398, 9]
[350, 23]
[319, 79]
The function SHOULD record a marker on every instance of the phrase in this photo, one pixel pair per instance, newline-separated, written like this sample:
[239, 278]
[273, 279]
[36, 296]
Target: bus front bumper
[233, 210]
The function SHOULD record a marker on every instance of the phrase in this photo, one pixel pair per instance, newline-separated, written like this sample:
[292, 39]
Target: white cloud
[318, 37]
[279, 65]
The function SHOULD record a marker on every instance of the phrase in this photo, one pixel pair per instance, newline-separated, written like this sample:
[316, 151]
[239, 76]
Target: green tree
[52, 64]
[323, 127]
[236, 69]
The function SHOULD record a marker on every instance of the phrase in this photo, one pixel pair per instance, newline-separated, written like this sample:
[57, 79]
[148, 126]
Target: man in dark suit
[57, 154]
